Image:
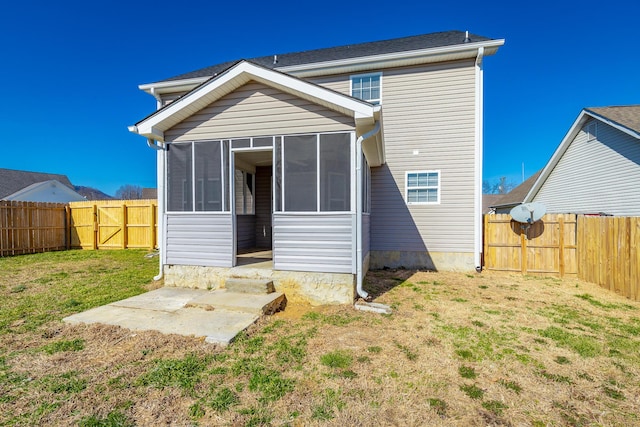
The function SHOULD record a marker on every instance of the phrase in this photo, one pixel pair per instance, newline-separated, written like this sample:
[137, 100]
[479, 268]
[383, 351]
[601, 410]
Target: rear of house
[312, 167]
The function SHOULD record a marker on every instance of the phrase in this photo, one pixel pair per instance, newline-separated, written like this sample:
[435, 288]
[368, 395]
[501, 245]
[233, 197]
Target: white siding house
[335, 160]
[596, 168]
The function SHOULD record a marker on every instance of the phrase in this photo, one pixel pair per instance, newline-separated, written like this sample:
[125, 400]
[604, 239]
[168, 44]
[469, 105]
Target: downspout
[478, 162]
[361, 292]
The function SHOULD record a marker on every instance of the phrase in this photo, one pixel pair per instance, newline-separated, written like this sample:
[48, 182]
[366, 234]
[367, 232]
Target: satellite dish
[528, 213]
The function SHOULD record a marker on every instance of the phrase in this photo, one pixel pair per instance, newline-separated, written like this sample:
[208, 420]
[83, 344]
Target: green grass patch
[270, 384]
[494, 406]
[65, 345]
[561, 360]
[113, 419]
[555, 377]
[585, 346]
[374, 349]
[340, 359]
[183, 373]
[467, 372]
[224, 399]
[331, 401]
[67, 383]
[438, 405]
[409, 353]
[510, 385]
[472, 390]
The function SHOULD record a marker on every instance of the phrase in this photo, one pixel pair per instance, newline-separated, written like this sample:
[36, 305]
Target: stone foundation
[437, 261]
[298, 286]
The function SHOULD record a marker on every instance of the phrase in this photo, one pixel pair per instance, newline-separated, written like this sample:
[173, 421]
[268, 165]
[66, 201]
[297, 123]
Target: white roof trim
[391, 59]
[236, 76]
[564, 145]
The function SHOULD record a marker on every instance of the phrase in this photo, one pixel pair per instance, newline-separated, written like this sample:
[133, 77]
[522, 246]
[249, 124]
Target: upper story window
[422, 187]
[367, 87]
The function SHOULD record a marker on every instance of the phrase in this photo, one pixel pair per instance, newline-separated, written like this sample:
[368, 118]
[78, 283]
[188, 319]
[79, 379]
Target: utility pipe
[361, 292]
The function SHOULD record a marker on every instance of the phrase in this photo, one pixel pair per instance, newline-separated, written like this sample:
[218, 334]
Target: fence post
[561, 245]
[523, 252]
[67, 231]
[152, 226]
[95, 227]
[124, 226]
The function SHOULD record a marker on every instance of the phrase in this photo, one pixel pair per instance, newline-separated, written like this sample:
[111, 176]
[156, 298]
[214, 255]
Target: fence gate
[546, 247]
[114, 224]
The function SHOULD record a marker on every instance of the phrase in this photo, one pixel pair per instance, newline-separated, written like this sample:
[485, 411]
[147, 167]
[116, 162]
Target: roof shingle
[15, 180]
[627, 116]
[404, 44]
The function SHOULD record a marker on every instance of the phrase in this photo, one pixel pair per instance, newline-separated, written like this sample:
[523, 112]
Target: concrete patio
[218, 315]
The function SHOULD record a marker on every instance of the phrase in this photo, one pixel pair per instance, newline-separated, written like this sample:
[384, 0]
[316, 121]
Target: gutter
[359, 274]
[478, 162]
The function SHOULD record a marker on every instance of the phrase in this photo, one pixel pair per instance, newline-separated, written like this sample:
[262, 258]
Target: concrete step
[223, 299]
[249, 286]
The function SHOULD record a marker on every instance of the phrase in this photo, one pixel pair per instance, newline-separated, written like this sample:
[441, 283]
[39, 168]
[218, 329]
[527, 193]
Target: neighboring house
[515, 197]
[149, 193]
[488, 201]
[338, 160]
[91, 193]
[36, 187]
[596, 168]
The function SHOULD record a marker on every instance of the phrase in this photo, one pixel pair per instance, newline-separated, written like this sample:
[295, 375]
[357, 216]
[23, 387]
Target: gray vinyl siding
[601, 175]
[199, 239]
[245, 231]
[319, 243]
[254, 110]
[366, 226]
[429, 110]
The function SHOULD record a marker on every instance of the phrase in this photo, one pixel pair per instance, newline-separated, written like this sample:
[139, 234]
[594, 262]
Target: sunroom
[259, 167]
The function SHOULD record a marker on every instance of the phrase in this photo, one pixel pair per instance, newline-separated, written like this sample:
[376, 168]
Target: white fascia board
[555, 158]
[391, 59]
[155, 125]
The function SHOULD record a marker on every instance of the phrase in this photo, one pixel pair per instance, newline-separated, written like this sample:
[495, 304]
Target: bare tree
[502, 186]
[129, 192]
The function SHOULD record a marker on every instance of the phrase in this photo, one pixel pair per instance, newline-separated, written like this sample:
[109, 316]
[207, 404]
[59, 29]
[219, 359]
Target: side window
[422, 187]
[367, 87]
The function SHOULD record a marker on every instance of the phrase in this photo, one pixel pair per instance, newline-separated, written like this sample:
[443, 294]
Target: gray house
[25, 186]
[310, 168]
[596, 168]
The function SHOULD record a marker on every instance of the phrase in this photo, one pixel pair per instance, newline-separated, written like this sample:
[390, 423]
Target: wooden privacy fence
[545, 247]
[602, 250]
[608, 253]
[114, 224]
[29, 227]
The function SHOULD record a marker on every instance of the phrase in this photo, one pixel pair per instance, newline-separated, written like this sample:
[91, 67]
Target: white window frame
[591, 129]
[422, 187]
[377, 101]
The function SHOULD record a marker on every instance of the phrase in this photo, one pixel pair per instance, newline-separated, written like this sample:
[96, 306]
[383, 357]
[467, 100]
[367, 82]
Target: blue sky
[70, 69]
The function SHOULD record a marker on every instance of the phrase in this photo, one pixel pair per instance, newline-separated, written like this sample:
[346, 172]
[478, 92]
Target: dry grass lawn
[458, 350]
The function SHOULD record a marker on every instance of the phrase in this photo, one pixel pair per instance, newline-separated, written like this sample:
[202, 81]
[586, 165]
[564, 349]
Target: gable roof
[52, 191]
[14, 180]
[624, 118]
[446, 45]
